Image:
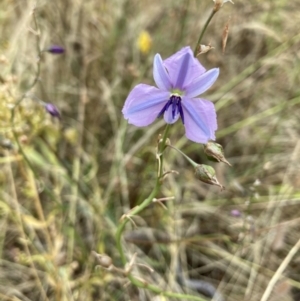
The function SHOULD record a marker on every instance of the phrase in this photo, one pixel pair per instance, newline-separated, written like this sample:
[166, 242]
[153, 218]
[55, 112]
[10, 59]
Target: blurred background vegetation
[66, 183]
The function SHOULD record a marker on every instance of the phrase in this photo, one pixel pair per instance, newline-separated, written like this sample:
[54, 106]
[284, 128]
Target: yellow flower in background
[144, 42]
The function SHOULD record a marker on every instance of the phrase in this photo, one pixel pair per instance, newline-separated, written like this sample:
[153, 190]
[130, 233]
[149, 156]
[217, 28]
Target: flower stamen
[175, 101]
[165, 108]
[181, 111]
[174, 104]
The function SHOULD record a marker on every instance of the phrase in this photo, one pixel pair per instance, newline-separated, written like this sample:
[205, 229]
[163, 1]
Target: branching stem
[136, 210]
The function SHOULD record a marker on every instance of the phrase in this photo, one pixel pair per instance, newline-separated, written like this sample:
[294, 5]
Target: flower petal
[200, 119]
[169, 117]
[160, 74]
[143, 104]
[202, 83]
[183, 68]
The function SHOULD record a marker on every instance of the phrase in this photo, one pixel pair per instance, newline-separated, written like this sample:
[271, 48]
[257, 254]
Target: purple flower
[56, 49]
[179, 79]
[52, 110]
[235, 213]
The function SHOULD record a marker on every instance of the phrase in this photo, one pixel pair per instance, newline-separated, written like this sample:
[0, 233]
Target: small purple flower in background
[55, 49]
[235, 213]
[52, 110]
[179, 79]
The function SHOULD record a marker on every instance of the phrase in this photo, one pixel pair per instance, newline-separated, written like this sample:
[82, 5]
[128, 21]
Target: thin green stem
[161, 149]
[77, 163]
[183, 154]
[203, 31]
[136, 210]
[159, 291]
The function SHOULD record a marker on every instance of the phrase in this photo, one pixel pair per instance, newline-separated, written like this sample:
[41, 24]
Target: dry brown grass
[89, 169]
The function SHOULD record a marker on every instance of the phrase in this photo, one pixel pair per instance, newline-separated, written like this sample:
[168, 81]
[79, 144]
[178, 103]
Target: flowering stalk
[179, 80]
[161, 149]
[15, 135]
[135, 211]
[33, 175]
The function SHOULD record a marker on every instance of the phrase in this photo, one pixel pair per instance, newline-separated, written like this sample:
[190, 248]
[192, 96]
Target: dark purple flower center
[175, 103]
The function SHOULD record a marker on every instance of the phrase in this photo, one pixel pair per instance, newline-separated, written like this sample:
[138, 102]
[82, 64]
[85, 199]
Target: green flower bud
[207, 174]
[215, 152]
